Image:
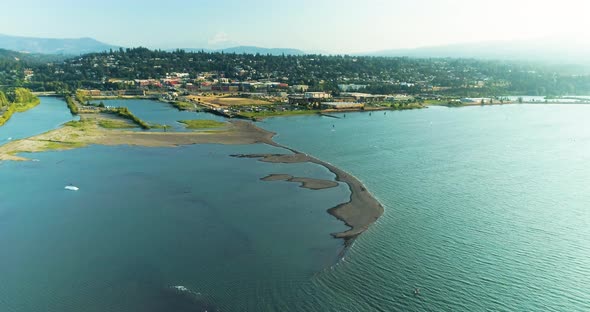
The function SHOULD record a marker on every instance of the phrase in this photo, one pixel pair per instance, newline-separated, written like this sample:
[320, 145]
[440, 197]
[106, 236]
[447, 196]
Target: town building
[342, 105]
[93, 92]
[351, 87]
[317, 95]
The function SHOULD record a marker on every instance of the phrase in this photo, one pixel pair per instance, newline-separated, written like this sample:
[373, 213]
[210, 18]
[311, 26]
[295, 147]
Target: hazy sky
[342, 26]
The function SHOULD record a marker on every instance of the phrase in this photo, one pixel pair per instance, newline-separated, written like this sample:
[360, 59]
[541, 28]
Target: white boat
[71, 188]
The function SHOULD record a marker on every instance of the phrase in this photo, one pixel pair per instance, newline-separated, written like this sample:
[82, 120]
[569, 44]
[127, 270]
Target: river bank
[24, 101]
[358, 213]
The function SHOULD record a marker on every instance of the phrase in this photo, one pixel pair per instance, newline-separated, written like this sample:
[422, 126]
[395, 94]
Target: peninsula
[358, 213]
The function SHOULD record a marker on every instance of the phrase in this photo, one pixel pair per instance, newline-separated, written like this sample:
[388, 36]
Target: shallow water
[48, 115]
[147, 219]
[155, 112]
[486, 208]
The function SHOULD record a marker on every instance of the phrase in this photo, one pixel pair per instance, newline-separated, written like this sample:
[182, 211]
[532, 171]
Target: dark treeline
[460, 77]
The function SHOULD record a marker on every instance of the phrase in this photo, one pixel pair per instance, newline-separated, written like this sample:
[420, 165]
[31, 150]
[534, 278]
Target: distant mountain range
[88, 45]
[52, 45]
[250, 50]
[555, 50]
[254, 50]
[8, 55]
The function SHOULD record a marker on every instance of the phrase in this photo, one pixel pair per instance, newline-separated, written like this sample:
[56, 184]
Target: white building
[317, 95]
[350, 87]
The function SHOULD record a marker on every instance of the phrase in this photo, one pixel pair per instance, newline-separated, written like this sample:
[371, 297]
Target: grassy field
[183, 105]
[80, 124]
[115, 124]
[63, 145]
[436, 102]
[229, 100]
[202, 124]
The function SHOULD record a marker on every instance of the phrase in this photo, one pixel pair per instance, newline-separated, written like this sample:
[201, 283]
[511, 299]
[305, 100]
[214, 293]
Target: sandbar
[358, 213]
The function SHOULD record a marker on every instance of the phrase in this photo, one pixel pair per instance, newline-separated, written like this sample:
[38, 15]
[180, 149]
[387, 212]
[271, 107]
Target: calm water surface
[50, 114]
[155, 112]
[148, 219]
[486, 209]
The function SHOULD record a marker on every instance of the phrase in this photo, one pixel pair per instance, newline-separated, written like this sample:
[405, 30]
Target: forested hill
[75, 46]
[320, 72]
[9, 55]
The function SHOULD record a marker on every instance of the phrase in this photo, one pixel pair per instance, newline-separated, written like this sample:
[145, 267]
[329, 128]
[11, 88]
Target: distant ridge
[250, 50]
[52, 45]
[556, 50]
[8, 55]
[254, 50]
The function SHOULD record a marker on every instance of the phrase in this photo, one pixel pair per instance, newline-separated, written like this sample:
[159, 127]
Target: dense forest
[459, 77]
[3, 101]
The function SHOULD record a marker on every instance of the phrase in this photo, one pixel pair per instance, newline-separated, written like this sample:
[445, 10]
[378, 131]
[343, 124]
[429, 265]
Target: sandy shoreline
[67, 137]
[358, 213]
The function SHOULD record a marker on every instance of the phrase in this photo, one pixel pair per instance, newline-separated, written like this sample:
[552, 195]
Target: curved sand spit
[358, 213]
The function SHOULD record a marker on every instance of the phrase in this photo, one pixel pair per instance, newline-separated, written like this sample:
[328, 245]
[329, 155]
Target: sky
[335, 26]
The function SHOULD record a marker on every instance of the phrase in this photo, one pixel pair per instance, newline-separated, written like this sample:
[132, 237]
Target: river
[485, 210]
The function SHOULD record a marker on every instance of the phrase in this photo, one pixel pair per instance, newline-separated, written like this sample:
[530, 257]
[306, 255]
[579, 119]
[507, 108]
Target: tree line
[384, 75]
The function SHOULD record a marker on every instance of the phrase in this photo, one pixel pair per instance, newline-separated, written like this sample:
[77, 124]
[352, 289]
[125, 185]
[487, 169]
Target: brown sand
[359, 212]
[67, 137]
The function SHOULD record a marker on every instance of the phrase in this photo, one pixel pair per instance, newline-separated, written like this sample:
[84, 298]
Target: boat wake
[186, 299]
[71, 188]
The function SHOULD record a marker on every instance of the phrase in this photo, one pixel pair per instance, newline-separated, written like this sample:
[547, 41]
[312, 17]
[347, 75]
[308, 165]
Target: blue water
[155, 112]
[49, 114]
[486, 209]
[147, 219]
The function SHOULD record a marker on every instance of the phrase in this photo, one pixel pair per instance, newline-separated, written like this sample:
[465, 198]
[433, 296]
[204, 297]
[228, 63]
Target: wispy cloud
[219, 39]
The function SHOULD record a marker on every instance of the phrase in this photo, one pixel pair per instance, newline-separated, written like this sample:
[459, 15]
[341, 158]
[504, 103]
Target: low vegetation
[202, 124]
[71, 105]
[183, 106]
[59, 145]
[4, 103]
[127, 114]
[24, 99]
[16, 100]
[7, 114]
[238, 101]
[399, 106]
[114, 124]
[81, 97]
[82, 124]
